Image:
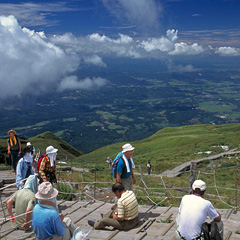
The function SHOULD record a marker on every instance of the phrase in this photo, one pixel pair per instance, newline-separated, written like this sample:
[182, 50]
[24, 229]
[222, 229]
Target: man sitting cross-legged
[125, 215]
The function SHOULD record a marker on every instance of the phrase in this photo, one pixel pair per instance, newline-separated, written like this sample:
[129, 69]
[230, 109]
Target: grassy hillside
[44, 140]
[171, 146]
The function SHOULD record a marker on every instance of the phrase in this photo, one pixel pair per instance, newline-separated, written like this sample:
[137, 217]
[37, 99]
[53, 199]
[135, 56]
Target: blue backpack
[114, 167]
[115, 163]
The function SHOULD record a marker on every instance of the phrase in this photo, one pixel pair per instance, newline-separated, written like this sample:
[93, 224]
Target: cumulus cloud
[32, 60]
[144, 14]
[228, 51]
[72, 83]
[31, 63]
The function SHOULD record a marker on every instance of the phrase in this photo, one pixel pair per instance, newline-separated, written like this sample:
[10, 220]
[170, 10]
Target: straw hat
[11, 131]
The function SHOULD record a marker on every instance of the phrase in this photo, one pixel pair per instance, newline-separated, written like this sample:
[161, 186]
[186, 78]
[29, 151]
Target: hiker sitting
[47, 223]
[47, 168]
[24, 168]
[124, 167]
[193, 212]
[124, 216]
[24, 202]
[14, 148]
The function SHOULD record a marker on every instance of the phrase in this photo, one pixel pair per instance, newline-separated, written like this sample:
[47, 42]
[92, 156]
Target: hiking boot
[91, 223]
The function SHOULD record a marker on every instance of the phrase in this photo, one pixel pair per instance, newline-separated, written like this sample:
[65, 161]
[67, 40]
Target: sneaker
[91, 223]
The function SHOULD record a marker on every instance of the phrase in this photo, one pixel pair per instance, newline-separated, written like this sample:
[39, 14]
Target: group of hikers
[38, 200]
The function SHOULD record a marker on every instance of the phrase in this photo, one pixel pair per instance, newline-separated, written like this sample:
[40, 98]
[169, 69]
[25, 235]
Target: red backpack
[40, 160]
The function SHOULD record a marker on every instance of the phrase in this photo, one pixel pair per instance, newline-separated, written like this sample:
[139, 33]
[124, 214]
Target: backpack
[210, 231]
[114, 167]
[40, 160]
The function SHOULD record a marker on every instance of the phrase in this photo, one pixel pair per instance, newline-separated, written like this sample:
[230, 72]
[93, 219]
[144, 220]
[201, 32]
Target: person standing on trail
[123, 164]
[193, 212]
[32, 149]
[149, 168]
[14, 148]
[47, 169]
[24, 168]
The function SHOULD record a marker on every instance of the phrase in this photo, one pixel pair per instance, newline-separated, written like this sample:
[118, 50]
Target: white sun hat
[127, 147]
[51, 149]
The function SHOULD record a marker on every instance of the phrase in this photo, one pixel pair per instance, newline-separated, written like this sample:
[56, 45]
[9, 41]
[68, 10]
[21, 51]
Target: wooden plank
[167, 209]
[229, 212]
[229, 234]
[168, 228]
[69, 213]
[112, 234]
[88, 213]
[146, 225]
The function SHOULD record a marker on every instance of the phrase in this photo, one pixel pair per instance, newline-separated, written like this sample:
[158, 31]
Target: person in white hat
[193, 211]
[47, 223]
[124, 165]
[33, 152]
[47, 169]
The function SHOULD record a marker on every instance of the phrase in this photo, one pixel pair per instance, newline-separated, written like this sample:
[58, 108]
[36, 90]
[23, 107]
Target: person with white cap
[47, 169]
[24, 168]
[33, 152]
[47, 223]
[124, 167]
[193, 211]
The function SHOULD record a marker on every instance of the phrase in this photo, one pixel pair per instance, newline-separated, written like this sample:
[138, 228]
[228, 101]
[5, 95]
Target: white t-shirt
[193, 212]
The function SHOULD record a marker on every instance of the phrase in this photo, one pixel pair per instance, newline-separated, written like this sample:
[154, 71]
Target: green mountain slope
[44, 140]
[172, 146]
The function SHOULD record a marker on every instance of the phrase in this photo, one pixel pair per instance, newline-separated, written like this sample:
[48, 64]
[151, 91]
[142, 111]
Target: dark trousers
[107, 220]
[14, 159]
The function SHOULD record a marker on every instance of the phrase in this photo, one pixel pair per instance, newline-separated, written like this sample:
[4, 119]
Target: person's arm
[9, 152]
[118, 177]
[55, 171]
[133, 177]
[27, 218]
[218, 219]
[118, 213]
[9, 208]
[19, 145]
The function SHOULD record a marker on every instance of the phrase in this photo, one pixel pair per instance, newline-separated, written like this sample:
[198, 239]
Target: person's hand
[61, 216]
[134, 180]
[9, 152]
[12, 218]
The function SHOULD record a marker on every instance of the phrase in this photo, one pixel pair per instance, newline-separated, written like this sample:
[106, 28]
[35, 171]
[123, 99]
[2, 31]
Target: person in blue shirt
[46, 221]
[24, 168]
[125, 167]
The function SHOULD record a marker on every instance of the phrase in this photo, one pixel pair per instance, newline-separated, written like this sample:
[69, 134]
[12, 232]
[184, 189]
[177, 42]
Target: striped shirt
[127, 206]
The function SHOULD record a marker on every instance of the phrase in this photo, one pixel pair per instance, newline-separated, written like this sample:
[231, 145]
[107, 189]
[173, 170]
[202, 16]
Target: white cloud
[94, 60]
[34, 14]
[185, 49]
[144, 14]
[228, 51]
[72, 83]
[30, 60]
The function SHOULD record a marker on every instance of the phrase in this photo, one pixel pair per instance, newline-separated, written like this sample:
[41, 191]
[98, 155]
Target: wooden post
[95, 180]
[192, 175]
[236, 191]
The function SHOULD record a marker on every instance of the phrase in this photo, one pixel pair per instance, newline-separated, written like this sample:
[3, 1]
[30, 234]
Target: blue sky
[196, 20]
[46, 42]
